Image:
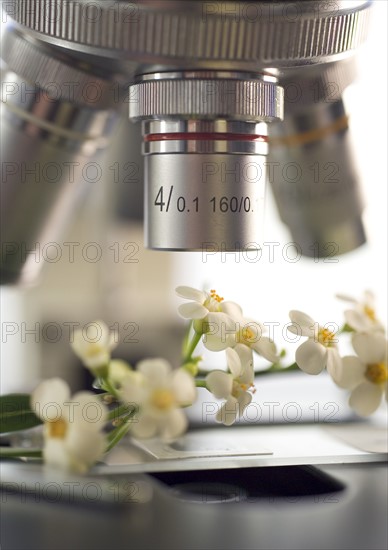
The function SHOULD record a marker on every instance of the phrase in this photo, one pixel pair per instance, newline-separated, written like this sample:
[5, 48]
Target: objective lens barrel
[205, 145]
[223, 54]
[50, 154]
[314, 174]
[194, 202]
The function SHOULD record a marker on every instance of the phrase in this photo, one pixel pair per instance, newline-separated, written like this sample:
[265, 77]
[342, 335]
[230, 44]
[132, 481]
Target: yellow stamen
[215, 296]
[58, 428]
[238, 388]
[248, 335]
[377, 373]
[326, 337]
[162, 399]
[370, 312]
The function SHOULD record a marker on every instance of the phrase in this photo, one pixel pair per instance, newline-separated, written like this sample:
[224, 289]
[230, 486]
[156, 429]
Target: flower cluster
[364, 374]
[149, 400]
[222, 326]
[72, 425]
[159, 392]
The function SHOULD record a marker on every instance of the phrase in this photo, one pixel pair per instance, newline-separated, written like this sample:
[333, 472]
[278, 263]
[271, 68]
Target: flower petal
[55, 455]
[133, 389]
[365, 398]
[79, 344]
[228, 412]
[105, 334]
[191, 293]
[311, 357]
[173, 425]
[220, 383]
[245, 354]
[118, 371]
[346, 298]
[184, 387]
[357, 320]
[144, 426]
[369, 298]
[250, 331]
[267, 349]
[192, 310]
[248, 375]
[370, 347]
[85, 409]
[232, 309]
[112, 341]
[94, 351]
[214, 343]
[156, 371]
[84, 448]
[243, 401]
[96, 360]
[351, 373]
[48, 398]
[220, 332]
[234, 362]
[333, 363]
[305, 325]
[221, 324]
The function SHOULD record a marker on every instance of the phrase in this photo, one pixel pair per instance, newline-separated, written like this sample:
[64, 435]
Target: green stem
[116, 413]
[19, 452]
[276, 368]
[201, 383]
[193, 344]
[118, 433]
[345, 328]
[273, 369]
[106, 385]
[186, 338]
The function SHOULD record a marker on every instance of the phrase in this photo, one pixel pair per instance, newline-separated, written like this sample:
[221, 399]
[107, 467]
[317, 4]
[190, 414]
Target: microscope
[230, 95]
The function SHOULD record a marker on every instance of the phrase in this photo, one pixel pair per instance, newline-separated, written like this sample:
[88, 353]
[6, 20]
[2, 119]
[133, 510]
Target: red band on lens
[205, 136]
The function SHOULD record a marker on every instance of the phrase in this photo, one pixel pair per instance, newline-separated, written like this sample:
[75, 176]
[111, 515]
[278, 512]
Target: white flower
[72, 425]
[363, 317]
[118, 371]
[94, 350]
[366, 375]
[211, 316]
[250, 333]
[319, 350]
[233, 387]
[159, 392]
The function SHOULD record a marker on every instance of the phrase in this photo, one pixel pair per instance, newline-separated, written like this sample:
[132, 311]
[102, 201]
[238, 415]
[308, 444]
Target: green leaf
[18, 452]
[16, 413]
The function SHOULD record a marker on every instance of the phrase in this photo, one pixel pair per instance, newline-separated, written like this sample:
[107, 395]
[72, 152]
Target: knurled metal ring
[196, 97]
[267, 34]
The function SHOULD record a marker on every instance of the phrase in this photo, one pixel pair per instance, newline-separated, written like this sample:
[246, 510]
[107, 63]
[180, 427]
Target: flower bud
[191, 368]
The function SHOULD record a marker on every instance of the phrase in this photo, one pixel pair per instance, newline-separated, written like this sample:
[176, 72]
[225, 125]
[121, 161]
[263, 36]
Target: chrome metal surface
[50, 143]
[205, 141]
[204, 202]
[270, 34]
[314, 174]
[212, 127]
[195, 62]
[200, 96]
